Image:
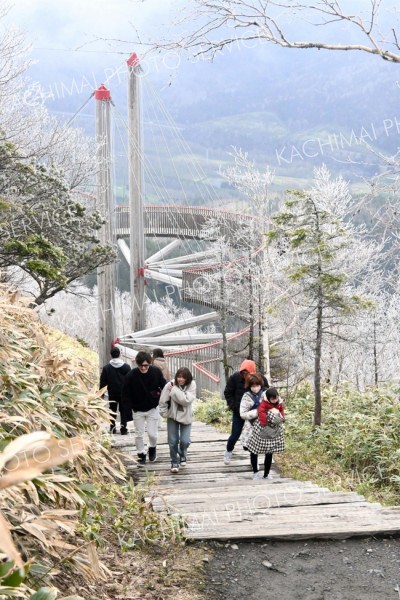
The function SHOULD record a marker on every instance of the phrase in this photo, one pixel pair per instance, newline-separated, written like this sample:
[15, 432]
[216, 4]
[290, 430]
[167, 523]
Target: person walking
[267, 435]
[234, 391]
[141, 393]
[112, 375]
[160, 361]
[249, 404]
[176, 404]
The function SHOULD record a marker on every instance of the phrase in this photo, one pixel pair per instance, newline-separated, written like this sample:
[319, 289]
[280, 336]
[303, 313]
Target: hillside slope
[80, 529]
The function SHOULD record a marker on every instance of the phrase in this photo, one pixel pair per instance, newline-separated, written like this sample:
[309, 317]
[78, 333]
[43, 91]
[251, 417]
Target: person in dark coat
[234, 392]
[141, 393]
[112, 376]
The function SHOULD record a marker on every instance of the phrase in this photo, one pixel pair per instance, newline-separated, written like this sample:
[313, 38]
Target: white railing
[205, 362]
[179, 221]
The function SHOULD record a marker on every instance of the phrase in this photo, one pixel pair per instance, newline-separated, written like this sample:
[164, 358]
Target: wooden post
[106, 274]
[136, 210]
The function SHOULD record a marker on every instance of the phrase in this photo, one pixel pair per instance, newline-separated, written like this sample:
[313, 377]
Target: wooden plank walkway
[222, 502]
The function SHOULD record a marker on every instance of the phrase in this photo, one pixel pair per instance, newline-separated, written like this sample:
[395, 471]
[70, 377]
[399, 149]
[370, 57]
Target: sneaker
[227, 457]
[269, 476]
[141, 459]
[123, 431]
[183, 461]
[256, 475]
[175, 469]
[152, 453]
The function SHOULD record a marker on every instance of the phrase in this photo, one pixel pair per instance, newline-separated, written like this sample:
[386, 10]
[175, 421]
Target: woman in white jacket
[249, 404]
[176, 403]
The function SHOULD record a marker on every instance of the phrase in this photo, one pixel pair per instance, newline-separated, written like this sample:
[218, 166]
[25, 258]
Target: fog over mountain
[290, 109]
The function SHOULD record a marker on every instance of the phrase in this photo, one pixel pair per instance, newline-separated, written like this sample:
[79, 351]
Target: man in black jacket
[141, 394]
[112, 376]
[234, 391]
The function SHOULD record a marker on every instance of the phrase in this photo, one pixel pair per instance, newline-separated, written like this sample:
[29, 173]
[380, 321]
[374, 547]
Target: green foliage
[360, 437]
[4, 205]
[10, 576]
[123, 509]
[45, 594]
[299, 273]
[214, 411]
[315, 234]
[43, 230]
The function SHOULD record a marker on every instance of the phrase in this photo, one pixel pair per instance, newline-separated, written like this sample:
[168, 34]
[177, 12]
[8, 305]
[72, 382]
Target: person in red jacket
[234, 391]
[270, 401]
[271, 413]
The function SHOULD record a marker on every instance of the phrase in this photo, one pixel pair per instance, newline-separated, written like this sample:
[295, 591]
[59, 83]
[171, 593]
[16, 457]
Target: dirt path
[353, 569]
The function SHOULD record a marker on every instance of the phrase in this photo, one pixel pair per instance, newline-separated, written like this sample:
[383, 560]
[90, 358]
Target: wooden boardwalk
[222, 502]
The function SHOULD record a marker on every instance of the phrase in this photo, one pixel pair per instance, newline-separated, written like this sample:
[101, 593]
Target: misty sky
[344, 90]
[73, 31]
[77, 39]
[63, 33]
[67, 23]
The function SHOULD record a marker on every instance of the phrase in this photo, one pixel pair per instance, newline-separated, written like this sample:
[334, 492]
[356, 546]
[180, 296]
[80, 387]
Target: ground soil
[353, 569]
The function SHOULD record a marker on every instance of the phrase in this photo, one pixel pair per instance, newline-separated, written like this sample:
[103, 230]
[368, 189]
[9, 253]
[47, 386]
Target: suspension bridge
[187, 260]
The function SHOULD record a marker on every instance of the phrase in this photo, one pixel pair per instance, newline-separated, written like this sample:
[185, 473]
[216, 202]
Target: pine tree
[324, 257]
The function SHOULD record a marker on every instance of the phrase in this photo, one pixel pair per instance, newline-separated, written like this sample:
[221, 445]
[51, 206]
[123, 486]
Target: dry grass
[173, 572]
[72, 348]
[50, 410]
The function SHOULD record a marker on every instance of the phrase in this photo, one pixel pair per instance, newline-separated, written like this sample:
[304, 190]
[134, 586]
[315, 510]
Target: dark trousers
[267, 463]
[113, 406]
[237, 426]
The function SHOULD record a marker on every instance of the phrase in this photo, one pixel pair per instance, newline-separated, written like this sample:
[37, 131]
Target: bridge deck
[223, 502]
[181, 221]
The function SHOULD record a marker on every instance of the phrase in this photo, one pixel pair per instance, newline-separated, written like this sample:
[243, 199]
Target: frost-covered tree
[44, 230]
[325, 260]
[59, 146]
[367, 350]
[13, 57]
[254, 185]
[220, 282]
[25, 121]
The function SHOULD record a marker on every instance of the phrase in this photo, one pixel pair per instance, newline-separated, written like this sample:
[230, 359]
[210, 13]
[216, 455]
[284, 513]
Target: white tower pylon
[136, 208]
[106, 274]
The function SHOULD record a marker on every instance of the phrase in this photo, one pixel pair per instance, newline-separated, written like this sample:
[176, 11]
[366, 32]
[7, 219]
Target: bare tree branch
[272, 21]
